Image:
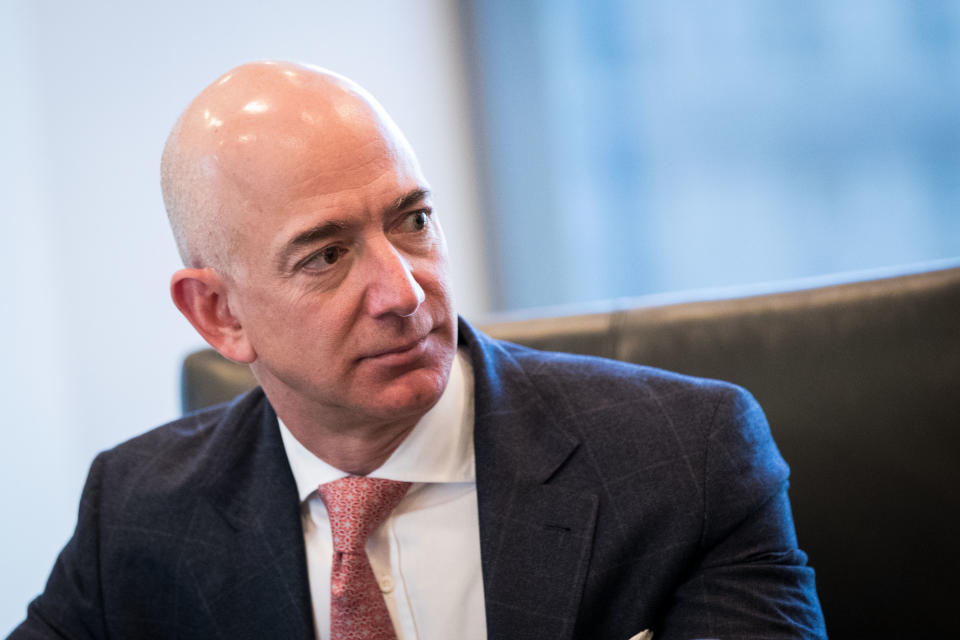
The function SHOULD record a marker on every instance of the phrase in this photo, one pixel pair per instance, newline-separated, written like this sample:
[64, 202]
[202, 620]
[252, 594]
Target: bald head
[255, 137]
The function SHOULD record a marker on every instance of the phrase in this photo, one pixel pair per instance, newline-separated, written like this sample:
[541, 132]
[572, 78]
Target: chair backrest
[861, 384]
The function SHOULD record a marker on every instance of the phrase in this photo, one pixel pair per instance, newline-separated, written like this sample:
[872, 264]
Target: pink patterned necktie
[357, 506]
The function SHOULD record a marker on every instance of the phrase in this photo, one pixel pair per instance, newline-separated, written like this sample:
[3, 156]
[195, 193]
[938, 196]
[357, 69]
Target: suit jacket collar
[536, 534]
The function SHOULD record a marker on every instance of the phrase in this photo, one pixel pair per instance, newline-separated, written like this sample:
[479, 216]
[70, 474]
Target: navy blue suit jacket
[612, 499]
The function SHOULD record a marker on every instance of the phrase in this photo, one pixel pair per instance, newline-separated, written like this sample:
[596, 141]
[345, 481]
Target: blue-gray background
[633, 147]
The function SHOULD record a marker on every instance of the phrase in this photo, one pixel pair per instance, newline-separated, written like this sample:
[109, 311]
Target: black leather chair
[861, 384]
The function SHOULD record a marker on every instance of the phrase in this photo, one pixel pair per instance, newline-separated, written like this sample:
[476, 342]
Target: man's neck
[358, 450]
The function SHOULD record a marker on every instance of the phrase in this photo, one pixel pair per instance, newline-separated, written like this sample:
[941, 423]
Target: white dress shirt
[426, 556]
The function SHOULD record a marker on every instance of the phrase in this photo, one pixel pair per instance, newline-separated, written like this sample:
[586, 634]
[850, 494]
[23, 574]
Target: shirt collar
[438, 449]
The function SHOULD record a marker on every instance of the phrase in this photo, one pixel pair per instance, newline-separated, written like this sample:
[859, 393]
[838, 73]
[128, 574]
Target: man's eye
[414, 221]
[325, 258]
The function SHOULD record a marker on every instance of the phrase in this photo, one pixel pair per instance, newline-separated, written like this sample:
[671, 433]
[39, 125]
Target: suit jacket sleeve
[751, 579]
[69, 606]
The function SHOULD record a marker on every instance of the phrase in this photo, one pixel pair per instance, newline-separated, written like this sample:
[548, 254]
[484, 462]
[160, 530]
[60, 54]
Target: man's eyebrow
[410, 199]
[311, 236]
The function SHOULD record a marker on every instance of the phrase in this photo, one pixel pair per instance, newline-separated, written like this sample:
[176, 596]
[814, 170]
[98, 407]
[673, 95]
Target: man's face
[341, 280]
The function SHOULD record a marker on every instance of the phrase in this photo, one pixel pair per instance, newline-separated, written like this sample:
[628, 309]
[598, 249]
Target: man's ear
[201, 296]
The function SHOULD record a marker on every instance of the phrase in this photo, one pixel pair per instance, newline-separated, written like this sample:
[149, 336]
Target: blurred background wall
[634, 147]
[578, 150]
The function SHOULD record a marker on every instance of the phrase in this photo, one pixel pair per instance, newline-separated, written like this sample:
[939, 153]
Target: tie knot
[357, 505]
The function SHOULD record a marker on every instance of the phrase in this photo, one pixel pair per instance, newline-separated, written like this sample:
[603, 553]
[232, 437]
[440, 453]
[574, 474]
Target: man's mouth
[399, 351]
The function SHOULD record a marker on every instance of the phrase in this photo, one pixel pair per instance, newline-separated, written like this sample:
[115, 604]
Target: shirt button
[386, 584]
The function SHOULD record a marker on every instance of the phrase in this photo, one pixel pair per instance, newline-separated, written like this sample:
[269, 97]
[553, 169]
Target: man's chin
[409, 395]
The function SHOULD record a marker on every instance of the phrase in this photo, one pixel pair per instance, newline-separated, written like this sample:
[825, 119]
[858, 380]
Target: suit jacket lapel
[247, 555]
[535, 537]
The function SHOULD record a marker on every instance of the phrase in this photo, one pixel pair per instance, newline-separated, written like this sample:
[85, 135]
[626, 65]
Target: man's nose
[391, 287]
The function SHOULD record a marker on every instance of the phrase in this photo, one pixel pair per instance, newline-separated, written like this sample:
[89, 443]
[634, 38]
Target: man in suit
[546, 495]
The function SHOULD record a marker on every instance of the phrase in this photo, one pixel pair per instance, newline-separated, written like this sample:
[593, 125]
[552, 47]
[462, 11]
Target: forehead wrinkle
[316, 187]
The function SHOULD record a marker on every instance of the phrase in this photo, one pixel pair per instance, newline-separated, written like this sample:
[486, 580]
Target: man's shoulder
[608, 403]
[634, 417]
[594, 381]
